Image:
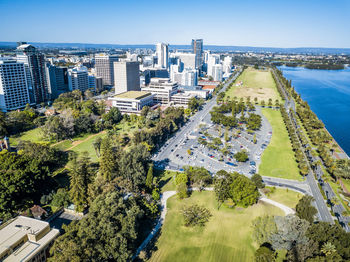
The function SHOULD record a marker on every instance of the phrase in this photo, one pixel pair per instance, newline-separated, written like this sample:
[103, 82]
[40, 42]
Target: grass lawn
[226, 237]
[255, 83]
[33, 135]
[278, 158]
[346, 183]
[287, 197]
[166, 179]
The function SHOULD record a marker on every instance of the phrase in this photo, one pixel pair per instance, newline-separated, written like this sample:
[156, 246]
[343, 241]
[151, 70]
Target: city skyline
[271, 24]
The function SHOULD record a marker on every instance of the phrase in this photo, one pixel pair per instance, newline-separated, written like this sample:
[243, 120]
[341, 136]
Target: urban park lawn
[254, 83]
[278, 158]
[226, 237]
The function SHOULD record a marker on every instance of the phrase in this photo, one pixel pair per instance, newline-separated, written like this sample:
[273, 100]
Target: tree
[112, 117]
[264, 254]
[305, 210]
[243, 192]
[61, 198]
[80, 177]
[328, 249]
[108, 159]
[195, 215]
[241, 156]
[257, 180]
[97, 146]
[198, 176]
[222, 186]
[263, 103]
[263, 228]
[291, 231]
[226, 135]
[108, 233]
[149, 178]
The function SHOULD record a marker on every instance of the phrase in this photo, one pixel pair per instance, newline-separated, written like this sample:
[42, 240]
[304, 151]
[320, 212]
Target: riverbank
[328, 94]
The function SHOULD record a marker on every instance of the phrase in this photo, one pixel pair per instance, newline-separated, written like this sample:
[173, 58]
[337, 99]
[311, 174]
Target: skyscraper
[162, 51]
[104, 67]
[78, 78]
[126, 76]
[34, 62]
[197, 49]
[13, 85]
[57, 80]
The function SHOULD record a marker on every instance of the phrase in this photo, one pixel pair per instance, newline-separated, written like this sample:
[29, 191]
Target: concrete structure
[13, 85]
[57, 80]
[155, 73]
[162, 51]
[104, 66]
[99, 83]
[34, 62]
[197, 49]
[126, 76]
[227, 65]
[217, 72]
[132, 101]
[162, 88]
[187, 60]
[26, 239]
[78, 78]
[181, 99]
[212, 61]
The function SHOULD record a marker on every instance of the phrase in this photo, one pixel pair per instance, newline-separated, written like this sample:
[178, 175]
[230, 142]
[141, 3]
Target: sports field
[254, 83]
[278, 158]
[226, 237]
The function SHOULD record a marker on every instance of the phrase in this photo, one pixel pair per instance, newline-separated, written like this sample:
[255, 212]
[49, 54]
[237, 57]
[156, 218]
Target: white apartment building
[162, 52]
[162, 88]
[212, 61]
[78, 78]
[13, 85]
[227, 65]
[104, 67]
[126, 76]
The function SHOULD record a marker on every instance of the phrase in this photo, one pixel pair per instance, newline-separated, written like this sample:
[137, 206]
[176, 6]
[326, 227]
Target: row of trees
[296, 145]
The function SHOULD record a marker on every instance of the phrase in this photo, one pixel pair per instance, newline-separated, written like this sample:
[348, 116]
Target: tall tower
[78, 78]
[126, 76]
[162, 51]
[34, 62]
[13, 85]
[197, 49]
[104, 67]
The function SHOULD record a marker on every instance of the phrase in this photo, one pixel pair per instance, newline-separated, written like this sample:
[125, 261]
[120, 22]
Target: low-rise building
[181, 99]
[26, 239]
[162, 88]
[132, 102]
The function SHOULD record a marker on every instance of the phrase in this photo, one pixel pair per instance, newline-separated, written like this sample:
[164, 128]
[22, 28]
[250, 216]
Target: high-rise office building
[126, 76]
[78, 78]
[162, 51]
[13, 85]
[187, 60]
[217, 72]
[197, 49]
[34, 62]
[57, 80]
[104, 67]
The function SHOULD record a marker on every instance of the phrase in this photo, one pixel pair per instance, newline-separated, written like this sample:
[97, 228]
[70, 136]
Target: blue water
[328, 94]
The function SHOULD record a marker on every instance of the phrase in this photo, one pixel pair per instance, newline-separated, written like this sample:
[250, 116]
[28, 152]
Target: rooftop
[133, 95]
[34, 233]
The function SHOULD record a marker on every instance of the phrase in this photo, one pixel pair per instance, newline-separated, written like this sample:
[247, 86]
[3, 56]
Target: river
[328, 94]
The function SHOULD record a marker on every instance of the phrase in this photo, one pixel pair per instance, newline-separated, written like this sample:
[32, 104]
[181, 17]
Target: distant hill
[300, 50]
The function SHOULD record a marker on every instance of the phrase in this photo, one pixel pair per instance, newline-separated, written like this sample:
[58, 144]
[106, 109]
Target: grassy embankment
[226, 237]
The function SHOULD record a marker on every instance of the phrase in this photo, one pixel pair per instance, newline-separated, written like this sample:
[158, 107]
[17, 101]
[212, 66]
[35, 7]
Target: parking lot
[188, 150]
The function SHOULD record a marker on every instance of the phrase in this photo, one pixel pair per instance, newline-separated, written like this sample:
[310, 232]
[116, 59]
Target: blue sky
[269, 23]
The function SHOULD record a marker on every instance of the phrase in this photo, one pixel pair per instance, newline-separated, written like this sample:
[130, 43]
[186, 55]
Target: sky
[265, 23]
